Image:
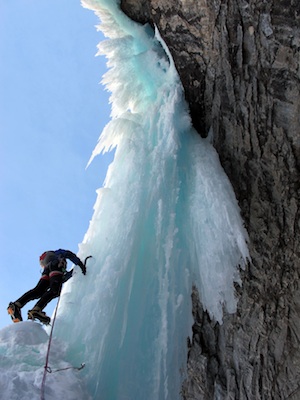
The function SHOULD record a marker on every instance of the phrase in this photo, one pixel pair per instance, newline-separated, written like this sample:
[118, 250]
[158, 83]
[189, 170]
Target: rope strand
[48, 352]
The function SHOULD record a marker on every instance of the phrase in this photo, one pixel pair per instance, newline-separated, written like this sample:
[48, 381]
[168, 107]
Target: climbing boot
[14, 310]
[37, 313]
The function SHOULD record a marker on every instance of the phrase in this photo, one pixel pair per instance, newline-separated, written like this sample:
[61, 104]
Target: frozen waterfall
[166, 219]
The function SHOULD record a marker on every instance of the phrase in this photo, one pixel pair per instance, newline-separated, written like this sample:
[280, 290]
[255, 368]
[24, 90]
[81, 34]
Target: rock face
[239, 62]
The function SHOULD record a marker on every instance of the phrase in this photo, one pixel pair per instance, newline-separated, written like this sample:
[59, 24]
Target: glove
[83, 267]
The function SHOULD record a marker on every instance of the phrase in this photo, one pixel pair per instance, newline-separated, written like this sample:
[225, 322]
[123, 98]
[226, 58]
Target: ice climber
[54, 264]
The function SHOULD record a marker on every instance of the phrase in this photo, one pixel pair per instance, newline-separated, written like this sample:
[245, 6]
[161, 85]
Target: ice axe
[85, 260]
[69, 274]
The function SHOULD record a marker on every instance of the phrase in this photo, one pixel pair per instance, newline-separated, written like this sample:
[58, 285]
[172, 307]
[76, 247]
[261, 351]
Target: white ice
[23, 349]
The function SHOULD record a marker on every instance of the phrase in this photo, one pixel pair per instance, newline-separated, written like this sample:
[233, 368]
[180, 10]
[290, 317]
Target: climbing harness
[46, 367]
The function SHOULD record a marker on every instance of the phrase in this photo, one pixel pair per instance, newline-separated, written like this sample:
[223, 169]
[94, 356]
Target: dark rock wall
[239, 62]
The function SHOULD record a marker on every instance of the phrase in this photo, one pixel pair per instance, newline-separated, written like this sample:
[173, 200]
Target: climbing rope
[48, 352]
[46, 367]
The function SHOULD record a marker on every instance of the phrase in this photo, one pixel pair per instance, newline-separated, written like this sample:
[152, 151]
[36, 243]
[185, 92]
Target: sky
[52, 111]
